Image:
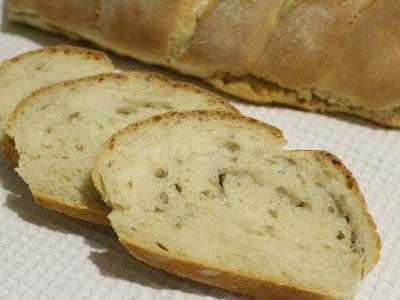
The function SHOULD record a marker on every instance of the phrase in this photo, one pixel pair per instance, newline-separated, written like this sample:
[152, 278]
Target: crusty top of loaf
[120, 20]
[348, 48]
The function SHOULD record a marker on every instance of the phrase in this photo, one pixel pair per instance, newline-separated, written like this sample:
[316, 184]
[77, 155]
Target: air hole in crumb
[221, 179]
[161, 173]
[270, 229]
[65, 157]
[133, 229]
[353, 237]
[164, 197]
[44, 106]
[340, 236]
[74, 115]
[281, 190]
[79, 147]
[130, 184]
[47, 146]
[178, 188]
[126, 110]
[205, 193]
[101, 127]
[327, 247]
[273, 213]
[162, 246]
[49, 130]
[331, 210]
[304, 204]
[67, 178]
[159, 209]
[110, 163]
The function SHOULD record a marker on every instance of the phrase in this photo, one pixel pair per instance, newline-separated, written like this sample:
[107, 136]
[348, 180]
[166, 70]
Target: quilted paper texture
[50, 256]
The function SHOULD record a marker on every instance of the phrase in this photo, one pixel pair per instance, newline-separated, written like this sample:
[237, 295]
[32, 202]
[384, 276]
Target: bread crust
[230, 280]
[345, 49]
[9, 150]
[89, 53]
[274, 131]
[93, 216]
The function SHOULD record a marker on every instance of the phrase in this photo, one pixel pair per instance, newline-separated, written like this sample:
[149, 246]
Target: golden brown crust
[347, 48]
[112, 24]
[67, 50]
[276, 132]
[117, 76]
[86, 214]
[9, 151]
[263, 92]
[225, 279]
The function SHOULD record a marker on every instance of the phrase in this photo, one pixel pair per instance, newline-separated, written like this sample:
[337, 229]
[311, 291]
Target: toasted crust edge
[93, 216]
[94, 54]
[124, 75]
[109, 145]
[201, 272]
[8, 149]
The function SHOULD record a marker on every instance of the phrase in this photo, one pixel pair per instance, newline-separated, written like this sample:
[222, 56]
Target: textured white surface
[50, 256]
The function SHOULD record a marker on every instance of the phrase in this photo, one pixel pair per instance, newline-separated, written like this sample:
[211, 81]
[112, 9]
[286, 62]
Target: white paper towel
[51, 256]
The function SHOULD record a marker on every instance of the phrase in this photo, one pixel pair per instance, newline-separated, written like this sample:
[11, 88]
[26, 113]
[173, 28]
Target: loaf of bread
[58, 130]
[25, 73]
[318, 55]
[231, 209]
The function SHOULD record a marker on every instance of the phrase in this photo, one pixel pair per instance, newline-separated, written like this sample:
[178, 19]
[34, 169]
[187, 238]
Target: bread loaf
[318, 55]
[25, 73]
[58, 130]
[231, 209]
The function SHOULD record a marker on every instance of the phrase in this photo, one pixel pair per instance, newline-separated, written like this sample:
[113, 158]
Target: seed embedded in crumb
[232, 146]
[273, 213]
[164, 197]
[161, 173]
[178, 188]
[340, 235]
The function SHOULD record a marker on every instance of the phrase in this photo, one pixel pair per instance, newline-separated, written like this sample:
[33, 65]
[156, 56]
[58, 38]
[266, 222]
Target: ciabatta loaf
[319, 55]
[58, 130]
[231, 209]
[23, 74]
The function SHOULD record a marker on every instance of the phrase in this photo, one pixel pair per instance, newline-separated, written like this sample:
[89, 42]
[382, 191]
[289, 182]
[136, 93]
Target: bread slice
[58, 130]
[231, 209]
[25, 73]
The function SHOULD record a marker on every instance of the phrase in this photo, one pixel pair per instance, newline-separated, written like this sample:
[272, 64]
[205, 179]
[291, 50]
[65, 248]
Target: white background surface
[51, 256]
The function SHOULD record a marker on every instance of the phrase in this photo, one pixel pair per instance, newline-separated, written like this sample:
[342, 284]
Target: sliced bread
[58, 130]
[231, 209]
[23, 74]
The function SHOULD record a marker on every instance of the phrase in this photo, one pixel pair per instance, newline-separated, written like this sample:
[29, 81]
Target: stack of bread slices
[189, 184]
